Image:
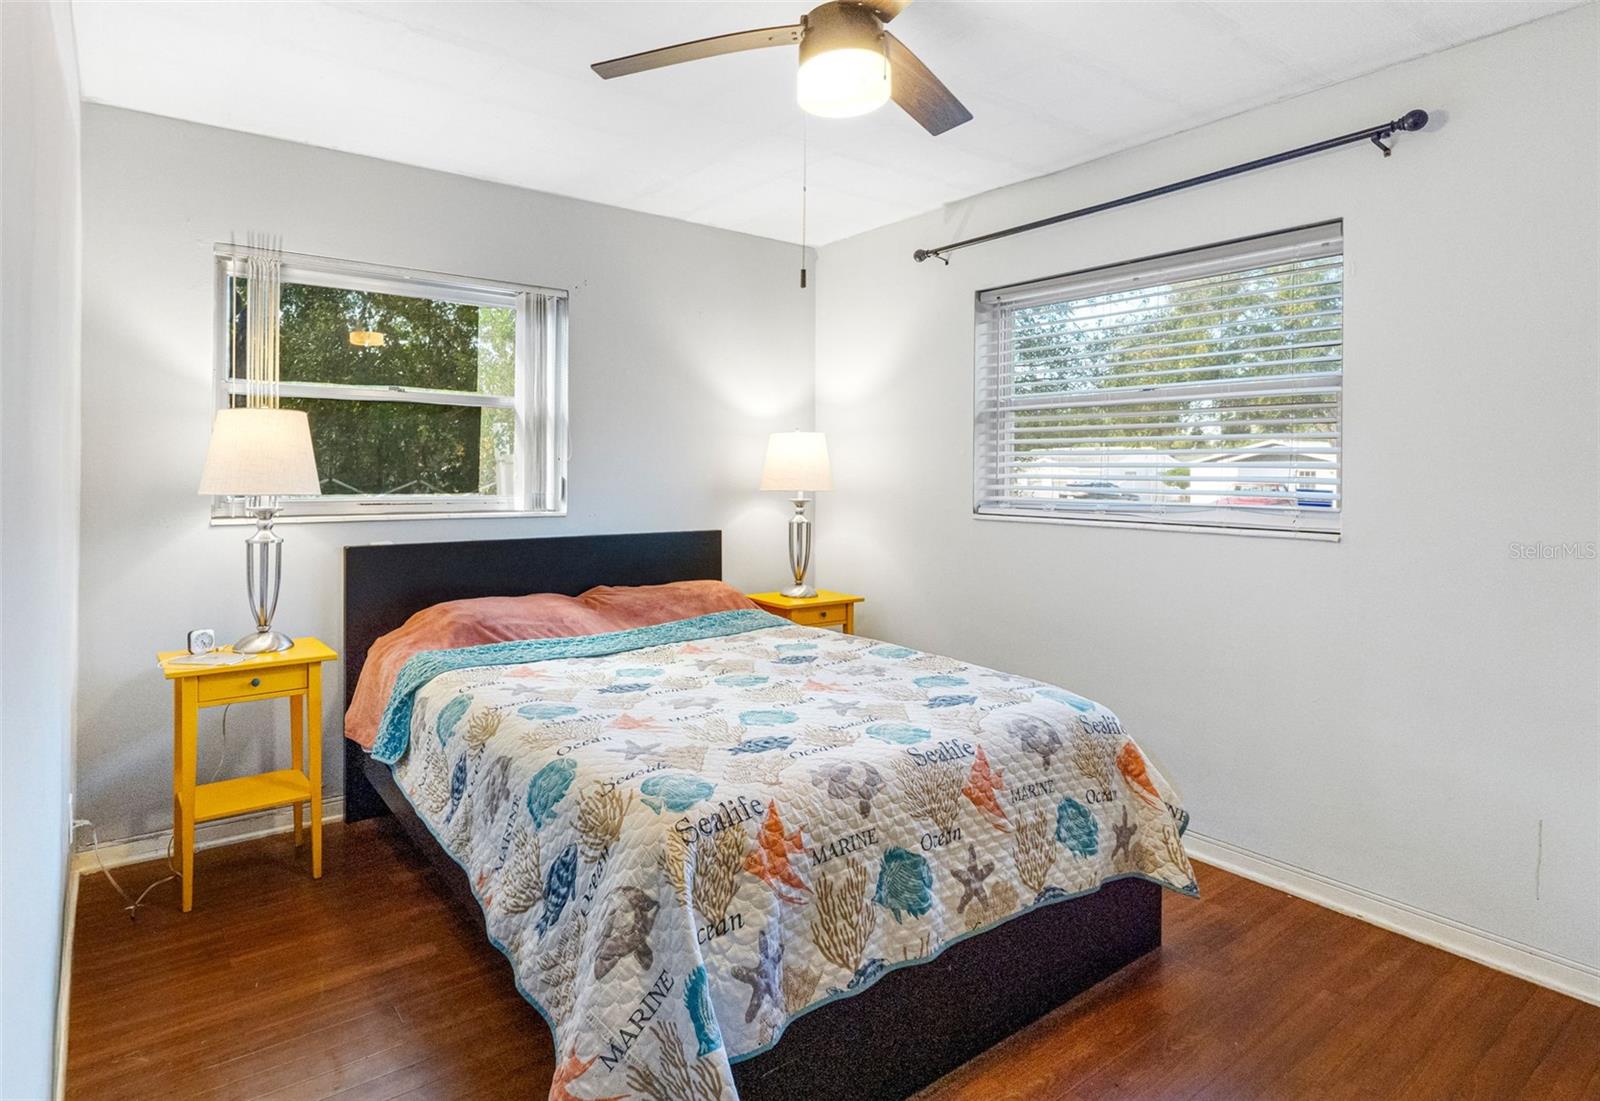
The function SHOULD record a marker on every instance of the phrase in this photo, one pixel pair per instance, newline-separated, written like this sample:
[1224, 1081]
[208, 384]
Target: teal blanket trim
[394, 731]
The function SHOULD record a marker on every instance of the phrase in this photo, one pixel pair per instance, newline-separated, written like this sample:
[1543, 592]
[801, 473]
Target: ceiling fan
[849, 64]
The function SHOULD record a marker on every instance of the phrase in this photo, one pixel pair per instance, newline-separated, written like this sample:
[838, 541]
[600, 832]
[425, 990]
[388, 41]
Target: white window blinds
[1198, 388]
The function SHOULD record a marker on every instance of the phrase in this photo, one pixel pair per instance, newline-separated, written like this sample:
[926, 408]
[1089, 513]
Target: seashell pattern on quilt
[685, 835]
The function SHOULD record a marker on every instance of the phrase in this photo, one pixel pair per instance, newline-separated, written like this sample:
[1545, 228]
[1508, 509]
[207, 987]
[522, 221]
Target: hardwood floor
[368, 986]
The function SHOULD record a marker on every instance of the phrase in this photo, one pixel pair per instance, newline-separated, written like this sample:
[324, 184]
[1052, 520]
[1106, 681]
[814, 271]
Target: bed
[730, 853]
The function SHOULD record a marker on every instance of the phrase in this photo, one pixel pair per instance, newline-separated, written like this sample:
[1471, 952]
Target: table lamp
[261, 455]
[798, 461]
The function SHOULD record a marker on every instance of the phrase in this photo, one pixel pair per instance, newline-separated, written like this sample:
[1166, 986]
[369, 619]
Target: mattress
[683, 836]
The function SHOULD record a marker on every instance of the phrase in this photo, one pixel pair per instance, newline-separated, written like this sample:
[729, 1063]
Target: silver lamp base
[263, 574]
[799, 549]
[263, 642]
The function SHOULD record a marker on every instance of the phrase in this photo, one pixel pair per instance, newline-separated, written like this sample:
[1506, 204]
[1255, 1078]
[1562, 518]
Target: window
[1198, 388]
[426, 394]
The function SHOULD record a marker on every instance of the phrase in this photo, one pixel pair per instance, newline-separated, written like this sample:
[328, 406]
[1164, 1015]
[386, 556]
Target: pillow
[458, 623]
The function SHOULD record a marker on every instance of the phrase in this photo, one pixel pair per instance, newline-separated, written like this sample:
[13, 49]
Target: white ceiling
[502, 91]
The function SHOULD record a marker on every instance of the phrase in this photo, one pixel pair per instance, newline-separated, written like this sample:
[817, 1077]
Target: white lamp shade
[797, 461]
[260, 453]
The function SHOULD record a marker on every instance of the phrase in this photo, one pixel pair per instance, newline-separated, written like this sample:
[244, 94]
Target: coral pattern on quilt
[683, 836]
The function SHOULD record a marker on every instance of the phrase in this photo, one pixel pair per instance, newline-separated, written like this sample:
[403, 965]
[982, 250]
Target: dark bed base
[913, 1025]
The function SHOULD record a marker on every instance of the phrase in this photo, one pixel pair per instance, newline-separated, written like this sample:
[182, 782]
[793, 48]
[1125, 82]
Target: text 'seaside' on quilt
[683, 836]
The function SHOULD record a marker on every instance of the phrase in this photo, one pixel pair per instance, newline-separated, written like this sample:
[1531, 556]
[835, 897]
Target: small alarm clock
[202, 639]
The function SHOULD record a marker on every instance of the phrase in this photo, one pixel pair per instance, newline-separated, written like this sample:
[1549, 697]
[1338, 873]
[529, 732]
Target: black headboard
[386, 584]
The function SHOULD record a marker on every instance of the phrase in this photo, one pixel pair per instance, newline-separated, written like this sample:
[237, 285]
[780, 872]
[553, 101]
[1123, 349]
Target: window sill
[1204, 529]
[367, 518]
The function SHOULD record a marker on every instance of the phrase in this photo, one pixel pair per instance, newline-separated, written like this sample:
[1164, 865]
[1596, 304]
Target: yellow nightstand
[826, 609]
[294, 674]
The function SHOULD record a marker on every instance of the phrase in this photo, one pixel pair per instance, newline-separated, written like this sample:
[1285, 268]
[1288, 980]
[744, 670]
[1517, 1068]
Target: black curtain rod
[1411, 120]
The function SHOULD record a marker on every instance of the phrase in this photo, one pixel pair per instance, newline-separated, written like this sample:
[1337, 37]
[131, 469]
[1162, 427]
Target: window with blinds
[1199, 388]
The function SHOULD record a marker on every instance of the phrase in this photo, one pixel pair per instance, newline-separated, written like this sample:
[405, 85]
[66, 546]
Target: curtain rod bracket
[1411, 120]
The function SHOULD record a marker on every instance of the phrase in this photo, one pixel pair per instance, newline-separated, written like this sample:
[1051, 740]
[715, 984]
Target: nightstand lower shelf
[248, 794]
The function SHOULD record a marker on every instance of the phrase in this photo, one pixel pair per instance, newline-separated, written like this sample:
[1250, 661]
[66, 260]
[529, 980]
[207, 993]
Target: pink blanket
[459, 623]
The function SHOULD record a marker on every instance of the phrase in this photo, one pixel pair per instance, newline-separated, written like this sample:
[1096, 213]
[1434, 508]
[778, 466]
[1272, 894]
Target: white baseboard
[1567, 976]
[207, 835]
[69, 924]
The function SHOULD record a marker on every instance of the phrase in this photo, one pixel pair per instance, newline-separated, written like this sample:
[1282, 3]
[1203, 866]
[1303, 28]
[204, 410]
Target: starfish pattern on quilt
[1123, 831]
[971, 879]
[763, 976]
[632, 860]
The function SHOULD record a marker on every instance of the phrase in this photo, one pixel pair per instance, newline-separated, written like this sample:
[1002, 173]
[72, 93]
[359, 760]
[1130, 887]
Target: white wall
[1399, 711]
[39, 237]
[688, 345]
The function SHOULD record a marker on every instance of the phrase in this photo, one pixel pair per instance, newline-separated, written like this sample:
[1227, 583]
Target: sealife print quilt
[685, 835]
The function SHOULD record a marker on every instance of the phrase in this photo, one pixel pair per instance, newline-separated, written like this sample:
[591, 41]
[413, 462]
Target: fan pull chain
[803, 165]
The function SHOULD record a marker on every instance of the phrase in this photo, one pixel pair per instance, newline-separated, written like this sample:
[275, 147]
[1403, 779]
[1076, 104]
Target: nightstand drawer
[818, 617]
[251, 682]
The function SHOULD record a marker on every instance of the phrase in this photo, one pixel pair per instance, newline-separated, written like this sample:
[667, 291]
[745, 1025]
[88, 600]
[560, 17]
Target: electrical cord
[216, 773]
[132, 904]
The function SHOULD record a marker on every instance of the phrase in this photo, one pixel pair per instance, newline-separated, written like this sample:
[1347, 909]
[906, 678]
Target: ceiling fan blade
[699, 48]
[885, 10]
[921, 94]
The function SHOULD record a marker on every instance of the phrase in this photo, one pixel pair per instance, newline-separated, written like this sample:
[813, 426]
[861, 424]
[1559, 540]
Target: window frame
[1234, 255]
[538, 402]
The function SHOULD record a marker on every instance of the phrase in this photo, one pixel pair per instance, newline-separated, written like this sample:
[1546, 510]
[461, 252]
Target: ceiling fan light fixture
[844, 65]
[843, 83]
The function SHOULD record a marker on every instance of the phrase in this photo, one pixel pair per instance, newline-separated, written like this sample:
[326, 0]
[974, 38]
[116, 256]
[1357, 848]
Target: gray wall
[38, 522]
[1403, 711]
[688, 346]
